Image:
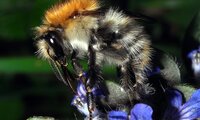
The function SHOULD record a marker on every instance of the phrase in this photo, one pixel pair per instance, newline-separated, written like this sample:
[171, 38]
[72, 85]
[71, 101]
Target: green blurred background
[28, 87]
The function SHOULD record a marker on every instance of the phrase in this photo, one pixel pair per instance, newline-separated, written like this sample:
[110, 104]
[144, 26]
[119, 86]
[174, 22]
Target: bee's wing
[62, 74]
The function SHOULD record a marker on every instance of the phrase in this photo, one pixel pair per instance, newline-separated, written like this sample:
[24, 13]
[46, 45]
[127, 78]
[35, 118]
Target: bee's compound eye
[54, 40]
[51, 41]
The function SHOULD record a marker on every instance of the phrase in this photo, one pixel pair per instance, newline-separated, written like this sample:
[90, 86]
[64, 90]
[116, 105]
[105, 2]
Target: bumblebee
[78, 29]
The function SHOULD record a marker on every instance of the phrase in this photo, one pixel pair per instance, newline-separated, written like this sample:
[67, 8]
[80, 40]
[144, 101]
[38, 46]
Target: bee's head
[69, 20]
[51, 45]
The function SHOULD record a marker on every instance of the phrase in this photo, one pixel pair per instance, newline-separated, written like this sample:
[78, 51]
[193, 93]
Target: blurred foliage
[19, 17]
[28, 86]
[23, 65]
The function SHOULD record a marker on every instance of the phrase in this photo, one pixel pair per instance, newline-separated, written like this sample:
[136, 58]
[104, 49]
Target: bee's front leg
[93, 76]
[77, 66]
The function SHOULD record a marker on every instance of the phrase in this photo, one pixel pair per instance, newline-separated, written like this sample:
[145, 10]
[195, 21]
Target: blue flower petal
[174, 98]
[141, 112]
[195, 96]
[80, 100]
[191, 109]
[190, 112]
[81, 90]
[81, 105]
[117, 115]
[97, 91]
[190, 54]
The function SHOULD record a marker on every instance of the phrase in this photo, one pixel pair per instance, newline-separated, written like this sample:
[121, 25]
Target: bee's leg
[142, 86]
[126, 75]
[133, 78]
[127, 78]
[92, 78]
[90, 102]
[90, 81]
[76, 65]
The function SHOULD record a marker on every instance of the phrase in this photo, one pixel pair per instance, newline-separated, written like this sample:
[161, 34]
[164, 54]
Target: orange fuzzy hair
[61, 12]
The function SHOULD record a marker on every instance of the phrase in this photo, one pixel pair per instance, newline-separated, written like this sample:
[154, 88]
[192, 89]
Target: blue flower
[80, 101]
[139, 112]
[175, 110]
[117, 115]
[192, 53]
[178, 111]
[194, 56]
